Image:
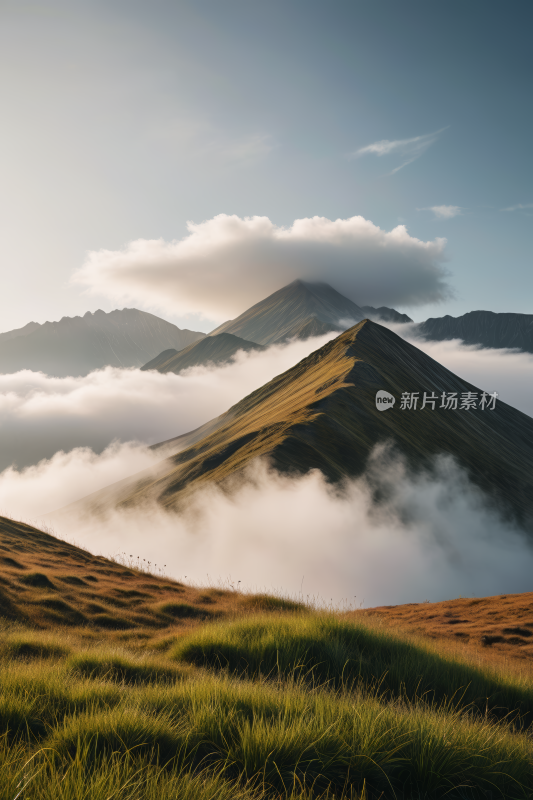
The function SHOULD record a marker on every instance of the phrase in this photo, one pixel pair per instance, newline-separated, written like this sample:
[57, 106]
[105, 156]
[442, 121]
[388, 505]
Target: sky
[128, 122]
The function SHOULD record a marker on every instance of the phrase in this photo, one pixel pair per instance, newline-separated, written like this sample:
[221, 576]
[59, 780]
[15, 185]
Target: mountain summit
[300, 309]
[323, 414]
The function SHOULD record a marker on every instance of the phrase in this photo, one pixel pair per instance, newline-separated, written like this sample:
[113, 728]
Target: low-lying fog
[436, 538]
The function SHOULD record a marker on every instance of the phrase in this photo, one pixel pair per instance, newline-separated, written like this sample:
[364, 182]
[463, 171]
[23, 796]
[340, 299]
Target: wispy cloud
[443, 212]
[408, 149]
[518, 207]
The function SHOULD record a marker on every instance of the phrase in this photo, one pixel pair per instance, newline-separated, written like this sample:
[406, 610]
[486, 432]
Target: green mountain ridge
[321, 414]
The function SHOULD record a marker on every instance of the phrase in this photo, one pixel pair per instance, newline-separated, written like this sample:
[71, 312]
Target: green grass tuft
[307, 706]
[116, 668]
[323, 648]
[266, 602]
[157, 739]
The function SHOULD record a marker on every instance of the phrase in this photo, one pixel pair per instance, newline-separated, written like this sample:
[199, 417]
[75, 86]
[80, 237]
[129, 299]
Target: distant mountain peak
[283, 313]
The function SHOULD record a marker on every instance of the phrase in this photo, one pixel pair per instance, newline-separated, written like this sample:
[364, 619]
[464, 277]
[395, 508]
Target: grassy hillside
[241, 696]
[45, 582]
[501, 626]
[322, 414]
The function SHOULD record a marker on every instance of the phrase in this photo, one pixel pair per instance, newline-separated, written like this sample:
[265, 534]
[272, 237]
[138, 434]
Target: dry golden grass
[47, 583]
[111, 674]
[493, 630]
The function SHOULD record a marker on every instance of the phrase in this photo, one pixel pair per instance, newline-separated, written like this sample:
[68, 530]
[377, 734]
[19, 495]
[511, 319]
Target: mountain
[482, 327]
[77, 345]
[322, 414]
[215, 349]
[385, 314]
[293, 310]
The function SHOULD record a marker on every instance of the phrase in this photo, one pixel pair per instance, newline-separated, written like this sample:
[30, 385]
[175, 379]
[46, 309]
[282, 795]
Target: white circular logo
[384, 400]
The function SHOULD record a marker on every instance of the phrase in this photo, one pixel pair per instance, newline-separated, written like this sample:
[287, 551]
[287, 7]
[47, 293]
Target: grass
[339, 652]
[188, 693]
[296, 721]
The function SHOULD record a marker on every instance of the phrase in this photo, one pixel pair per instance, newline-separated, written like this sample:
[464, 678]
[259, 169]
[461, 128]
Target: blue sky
[124, 120]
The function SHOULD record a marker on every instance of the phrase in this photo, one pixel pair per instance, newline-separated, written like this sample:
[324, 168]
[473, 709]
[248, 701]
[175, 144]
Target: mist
[436, 537]
[41, 415]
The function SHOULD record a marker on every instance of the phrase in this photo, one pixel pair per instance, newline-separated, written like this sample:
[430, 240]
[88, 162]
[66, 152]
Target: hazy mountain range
[77, 345]
[322, 414]
[132, 338]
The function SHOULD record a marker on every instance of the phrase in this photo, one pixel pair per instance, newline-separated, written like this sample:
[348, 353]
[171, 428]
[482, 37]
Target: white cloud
[443, 212]
[226, 264]
[433, 538]
[40, 415]
[30, 493]
[408, 149]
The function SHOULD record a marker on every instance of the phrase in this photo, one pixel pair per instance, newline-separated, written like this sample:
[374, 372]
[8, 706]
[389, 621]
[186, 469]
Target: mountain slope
[214, 349]
[322, 414]
[48, 583]
[77, 345]
[282, 314]
[482, 327]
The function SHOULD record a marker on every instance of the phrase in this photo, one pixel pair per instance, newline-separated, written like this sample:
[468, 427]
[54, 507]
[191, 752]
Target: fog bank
[436, 537]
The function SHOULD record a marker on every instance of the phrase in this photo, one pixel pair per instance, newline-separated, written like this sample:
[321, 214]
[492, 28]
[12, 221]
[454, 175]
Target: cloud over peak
[227, 263]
